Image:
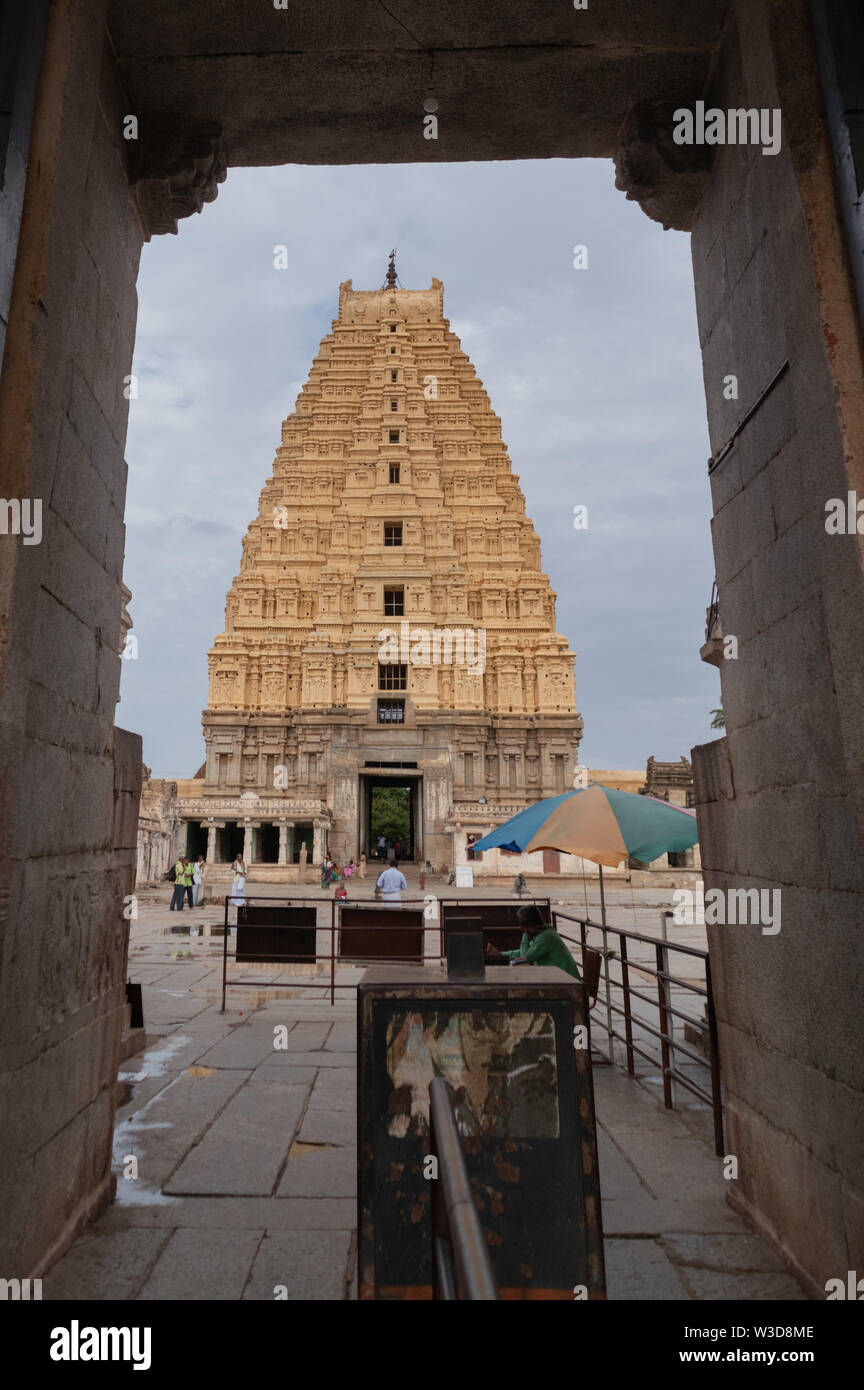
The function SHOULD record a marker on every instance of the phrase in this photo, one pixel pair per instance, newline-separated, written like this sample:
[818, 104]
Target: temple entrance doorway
[389, 811]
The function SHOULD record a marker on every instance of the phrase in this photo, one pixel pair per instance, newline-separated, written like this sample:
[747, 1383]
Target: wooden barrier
[276, 935]
[380, 933]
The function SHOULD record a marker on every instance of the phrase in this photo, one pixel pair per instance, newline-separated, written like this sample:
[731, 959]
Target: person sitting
[540, 944]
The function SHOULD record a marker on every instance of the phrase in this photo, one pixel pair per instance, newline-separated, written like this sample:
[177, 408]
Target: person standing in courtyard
[186, 878]
[198, 881]
[382, 847]
[361, 867]
[238, 886]
[392, 883]
[179, 889]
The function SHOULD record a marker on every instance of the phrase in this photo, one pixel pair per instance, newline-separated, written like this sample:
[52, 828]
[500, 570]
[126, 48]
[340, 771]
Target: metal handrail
[461, 1261]
[670, 1046]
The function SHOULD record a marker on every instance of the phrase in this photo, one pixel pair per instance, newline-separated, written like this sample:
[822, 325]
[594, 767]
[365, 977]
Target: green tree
[719, 719]
[391, 813]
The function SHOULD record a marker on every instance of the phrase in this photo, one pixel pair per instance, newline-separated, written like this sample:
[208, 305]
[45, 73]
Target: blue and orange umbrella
[598, 823]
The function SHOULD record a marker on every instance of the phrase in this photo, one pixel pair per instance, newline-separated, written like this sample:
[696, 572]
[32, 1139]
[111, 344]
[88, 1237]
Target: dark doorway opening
[391, 817]
[196, 839]
[268, 843]
[304, 834]
[231, 838]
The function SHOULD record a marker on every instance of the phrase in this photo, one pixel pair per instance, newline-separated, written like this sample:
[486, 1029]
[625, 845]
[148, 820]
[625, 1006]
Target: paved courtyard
[236, 1160]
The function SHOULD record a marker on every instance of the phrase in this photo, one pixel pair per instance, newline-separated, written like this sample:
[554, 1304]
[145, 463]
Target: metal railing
[460, 1256]
[332, 956]
[620, 1005]
[434, 925]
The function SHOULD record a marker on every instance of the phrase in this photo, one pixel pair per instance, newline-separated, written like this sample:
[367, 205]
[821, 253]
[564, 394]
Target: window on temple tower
[394, 376]
[392, 328]
[394, 600]
[393, 533]
[392, 676]
[394, 436]
[394, 472]
[391, 711]
[394, 405]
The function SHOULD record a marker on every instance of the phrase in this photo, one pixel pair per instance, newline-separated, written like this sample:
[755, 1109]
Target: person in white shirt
[392, 882]
[198, 881]
[238, 886]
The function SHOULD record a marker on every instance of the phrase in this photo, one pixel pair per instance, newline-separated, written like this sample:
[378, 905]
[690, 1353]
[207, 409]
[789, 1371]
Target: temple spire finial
[390, 282]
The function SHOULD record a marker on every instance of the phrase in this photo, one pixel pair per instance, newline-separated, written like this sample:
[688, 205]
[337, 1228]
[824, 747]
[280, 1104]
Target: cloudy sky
[595, 374]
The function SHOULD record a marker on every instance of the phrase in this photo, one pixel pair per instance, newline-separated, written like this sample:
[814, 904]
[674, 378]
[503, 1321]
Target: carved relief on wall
[225, 685]
[273, 687]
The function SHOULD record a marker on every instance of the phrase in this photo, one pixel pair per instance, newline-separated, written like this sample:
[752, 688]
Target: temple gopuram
[389, 655]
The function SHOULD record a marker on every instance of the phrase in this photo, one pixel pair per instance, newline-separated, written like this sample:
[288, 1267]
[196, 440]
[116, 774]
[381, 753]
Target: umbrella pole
[606, 964]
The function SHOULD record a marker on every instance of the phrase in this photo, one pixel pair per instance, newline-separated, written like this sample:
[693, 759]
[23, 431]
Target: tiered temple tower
[391, 621]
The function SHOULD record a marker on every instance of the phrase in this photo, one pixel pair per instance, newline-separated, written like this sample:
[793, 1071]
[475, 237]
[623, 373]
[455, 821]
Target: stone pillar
[286, 837]
[247, 842]
[211, 841]
[319, 841]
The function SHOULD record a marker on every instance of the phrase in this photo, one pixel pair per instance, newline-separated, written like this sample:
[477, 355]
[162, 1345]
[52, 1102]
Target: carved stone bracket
[175, 167]
[665, 179]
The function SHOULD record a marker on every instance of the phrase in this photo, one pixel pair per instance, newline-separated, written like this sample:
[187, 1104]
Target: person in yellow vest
[188, 879]
[179, 886]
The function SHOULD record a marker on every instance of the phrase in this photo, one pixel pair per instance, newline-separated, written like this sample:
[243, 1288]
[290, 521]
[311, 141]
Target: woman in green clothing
[540, 944]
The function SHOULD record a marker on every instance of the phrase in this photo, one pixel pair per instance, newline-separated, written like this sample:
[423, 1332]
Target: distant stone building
[672, 782]
[391, 626]
[157, 825]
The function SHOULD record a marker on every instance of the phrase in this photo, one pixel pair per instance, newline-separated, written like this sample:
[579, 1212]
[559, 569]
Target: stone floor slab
[320, 1172]
[308, 1265]
[329, 1127]
[243, 1152]
[161, 1132]
[242, 1048]
[105, 1266]
[639, 1270]
[343, 1038]
[207, 1264]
